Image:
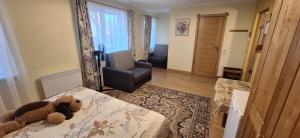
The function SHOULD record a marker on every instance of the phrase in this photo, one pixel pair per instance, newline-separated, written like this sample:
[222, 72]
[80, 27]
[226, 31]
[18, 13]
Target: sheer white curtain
[109, 27]
[153, 34]
[14, 83]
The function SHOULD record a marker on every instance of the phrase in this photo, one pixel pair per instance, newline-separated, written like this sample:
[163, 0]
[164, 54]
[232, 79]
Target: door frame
[252, 44]
[221, 41]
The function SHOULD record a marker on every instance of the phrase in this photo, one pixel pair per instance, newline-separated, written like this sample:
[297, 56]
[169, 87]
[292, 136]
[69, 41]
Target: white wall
[163, 25]
[234, 45]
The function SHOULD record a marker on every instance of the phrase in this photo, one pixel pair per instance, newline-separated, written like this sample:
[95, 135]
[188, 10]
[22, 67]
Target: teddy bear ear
[64, 99]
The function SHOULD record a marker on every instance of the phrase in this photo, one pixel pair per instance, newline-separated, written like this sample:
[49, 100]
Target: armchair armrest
[151, 54]
[143, 65]
[165, 58]
[119, 79]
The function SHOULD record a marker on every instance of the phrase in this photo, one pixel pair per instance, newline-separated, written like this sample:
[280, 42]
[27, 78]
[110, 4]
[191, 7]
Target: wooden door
[288, 125]
[273, 109]
[209, 36]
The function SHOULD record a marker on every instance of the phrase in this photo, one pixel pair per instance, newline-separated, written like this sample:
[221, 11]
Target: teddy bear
[55, 112]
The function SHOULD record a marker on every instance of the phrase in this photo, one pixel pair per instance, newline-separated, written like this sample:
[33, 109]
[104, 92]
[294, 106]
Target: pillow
[122, 60]
[161, 50]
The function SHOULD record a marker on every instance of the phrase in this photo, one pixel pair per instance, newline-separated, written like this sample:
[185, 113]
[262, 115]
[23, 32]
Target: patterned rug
[189, 115]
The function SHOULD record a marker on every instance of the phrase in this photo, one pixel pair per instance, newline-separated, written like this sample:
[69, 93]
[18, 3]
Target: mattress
[100, 116]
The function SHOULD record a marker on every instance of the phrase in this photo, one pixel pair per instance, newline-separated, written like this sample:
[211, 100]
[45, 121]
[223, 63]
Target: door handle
[217, 48]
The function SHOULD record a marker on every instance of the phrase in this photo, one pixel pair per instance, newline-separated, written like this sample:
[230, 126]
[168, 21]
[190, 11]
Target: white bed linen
[100, 116]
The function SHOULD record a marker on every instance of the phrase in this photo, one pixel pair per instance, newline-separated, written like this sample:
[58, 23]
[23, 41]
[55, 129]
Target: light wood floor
[189, 83]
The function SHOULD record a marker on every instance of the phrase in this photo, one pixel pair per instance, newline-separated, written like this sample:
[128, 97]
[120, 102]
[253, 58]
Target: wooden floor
[189, 83]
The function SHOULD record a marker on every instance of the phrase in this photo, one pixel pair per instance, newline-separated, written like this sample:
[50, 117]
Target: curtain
[8, 70]
[131, 32]
[15, 85]
[2, 106]
[148, 22]
[88, 62]
[153, 34]
[109, 27]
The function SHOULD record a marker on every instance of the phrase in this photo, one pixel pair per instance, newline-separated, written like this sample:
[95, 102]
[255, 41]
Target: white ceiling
[157, 6]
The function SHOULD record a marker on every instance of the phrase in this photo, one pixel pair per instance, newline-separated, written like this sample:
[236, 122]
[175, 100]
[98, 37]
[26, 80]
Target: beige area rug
[189, 115]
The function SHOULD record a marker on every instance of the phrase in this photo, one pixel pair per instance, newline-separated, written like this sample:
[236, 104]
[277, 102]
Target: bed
[101, 115]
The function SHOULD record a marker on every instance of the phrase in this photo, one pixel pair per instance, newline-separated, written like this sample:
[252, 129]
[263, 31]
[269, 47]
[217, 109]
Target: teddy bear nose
[77, 101]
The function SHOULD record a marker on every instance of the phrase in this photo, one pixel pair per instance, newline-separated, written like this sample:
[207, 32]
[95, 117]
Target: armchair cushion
[140, 73]
[122, 60]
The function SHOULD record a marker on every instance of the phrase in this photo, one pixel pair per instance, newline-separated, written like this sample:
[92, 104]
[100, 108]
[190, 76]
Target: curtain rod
[109, 5]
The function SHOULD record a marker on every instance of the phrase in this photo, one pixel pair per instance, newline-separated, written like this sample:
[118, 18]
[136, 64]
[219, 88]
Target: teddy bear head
[74, 104]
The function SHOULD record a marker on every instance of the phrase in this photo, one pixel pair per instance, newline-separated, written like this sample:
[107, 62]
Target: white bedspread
[100, 116]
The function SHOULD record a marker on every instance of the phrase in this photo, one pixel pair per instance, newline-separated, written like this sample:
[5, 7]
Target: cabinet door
[232, 123]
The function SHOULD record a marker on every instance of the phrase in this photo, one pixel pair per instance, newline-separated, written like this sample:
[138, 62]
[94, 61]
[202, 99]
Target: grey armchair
[159, 57]
[124, 73]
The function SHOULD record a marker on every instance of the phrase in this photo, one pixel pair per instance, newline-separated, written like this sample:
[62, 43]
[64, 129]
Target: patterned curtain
[88, 62]
[148, 21]
[131, 32]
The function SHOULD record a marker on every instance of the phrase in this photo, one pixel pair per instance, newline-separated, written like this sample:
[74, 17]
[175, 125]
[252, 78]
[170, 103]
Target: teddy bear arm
[56, 118]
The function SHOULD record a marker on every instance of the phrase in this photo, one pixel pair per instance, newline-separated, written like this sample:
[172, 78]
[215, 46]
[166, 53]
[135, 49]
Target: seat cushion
[140, 73]
[122, 60]
[156, 59]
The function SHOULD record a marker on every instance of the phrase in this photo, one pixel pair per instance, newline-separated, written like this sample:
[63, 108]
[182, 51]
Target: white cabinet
[236, 111]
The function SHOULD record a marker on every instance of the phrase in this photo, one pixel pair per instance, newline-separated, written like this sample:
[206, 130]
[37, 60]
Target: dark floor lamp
[99, 56]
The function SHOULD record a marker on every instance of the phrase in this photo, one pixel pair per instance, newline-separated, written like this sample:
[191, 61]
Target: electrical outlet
[224, 52]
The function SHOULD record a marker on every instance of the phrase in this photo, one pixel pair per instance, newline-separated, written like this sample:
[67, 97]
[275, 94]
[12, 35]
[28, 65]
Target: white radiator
[59, 82]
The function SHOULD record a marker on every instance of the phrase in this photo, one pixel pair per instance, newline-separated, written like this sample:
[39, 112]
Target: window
[153, 34]
[109, 27]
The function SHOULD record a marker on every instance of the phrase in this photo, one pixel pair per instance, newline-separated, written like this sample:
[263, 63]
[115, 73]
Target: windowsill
[2, 78]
